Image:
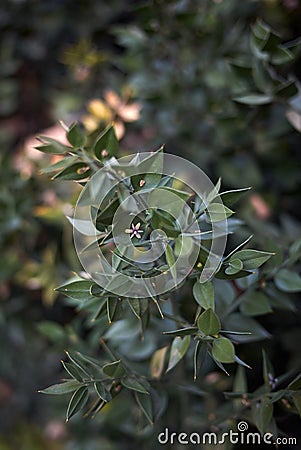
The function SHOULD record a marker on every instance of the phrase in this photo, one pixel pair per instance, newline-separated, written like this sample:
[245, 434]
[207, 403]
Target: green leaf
[167, 204]
[178, 349]
[254, 303]
[73, 371]
[254, 99]
[252, 259]
[105, 216]
[134, 385]
[52, 146]
[138, 306]
[262, 415]
[134, 304]
[96, 290]
[75, 172]
[288, 281]
[268, 371]
[223, 350]
[62, 388]
[241, 245]
[100, 309]
[145, 404]
[88, 359]
[204, 294]
[108, 141]
[114, 369]
[75, 136]
[295, 251]
[84, 226]
[221, 274]
[219, 364]
[261, 30]
[91, 303]
[149, 171]
[209, 323]
[170, 259]
[214, 192]
[272, 42]
[163, 221]
[60, 165]
[199, 356]
[235, 266]
[231, 197]
[111, 308]
[79, 290]
[77, 402]
[102, 392]
[144, 181]
[74, 357]
[152, 163]
[183, 195]
[217, 212]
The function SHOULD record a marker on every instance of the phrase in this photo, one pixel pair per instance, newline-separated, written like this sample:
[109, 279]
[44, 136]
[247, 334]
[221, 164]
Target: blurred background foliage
[165, 72]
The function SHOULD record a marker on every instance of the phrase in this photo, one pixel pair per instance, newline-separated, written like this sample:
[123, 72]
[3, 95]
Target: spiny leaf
[77, 402]
[62, 388]
[73, 371]
[79, 290]
[231, 197]
[74, 358]
[209, 323]
[75, 136]
[252, 259]
[52, 146]
[145, 404]
[178, 349]
[199, 356]
[107, 140]
[77, 171]
[134, 385]
[217, 212]
[254, 303]
[204, 294]
[288, 281]
[235, 266]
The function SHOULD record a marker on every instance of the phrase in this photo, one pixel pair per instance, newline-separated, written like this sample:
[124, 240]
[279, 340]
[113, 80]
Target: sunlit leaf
[178, 350]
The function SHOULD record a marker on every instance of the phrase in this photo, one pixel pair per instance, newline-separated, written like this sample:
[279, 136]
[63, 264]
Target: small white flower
[134, 231]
